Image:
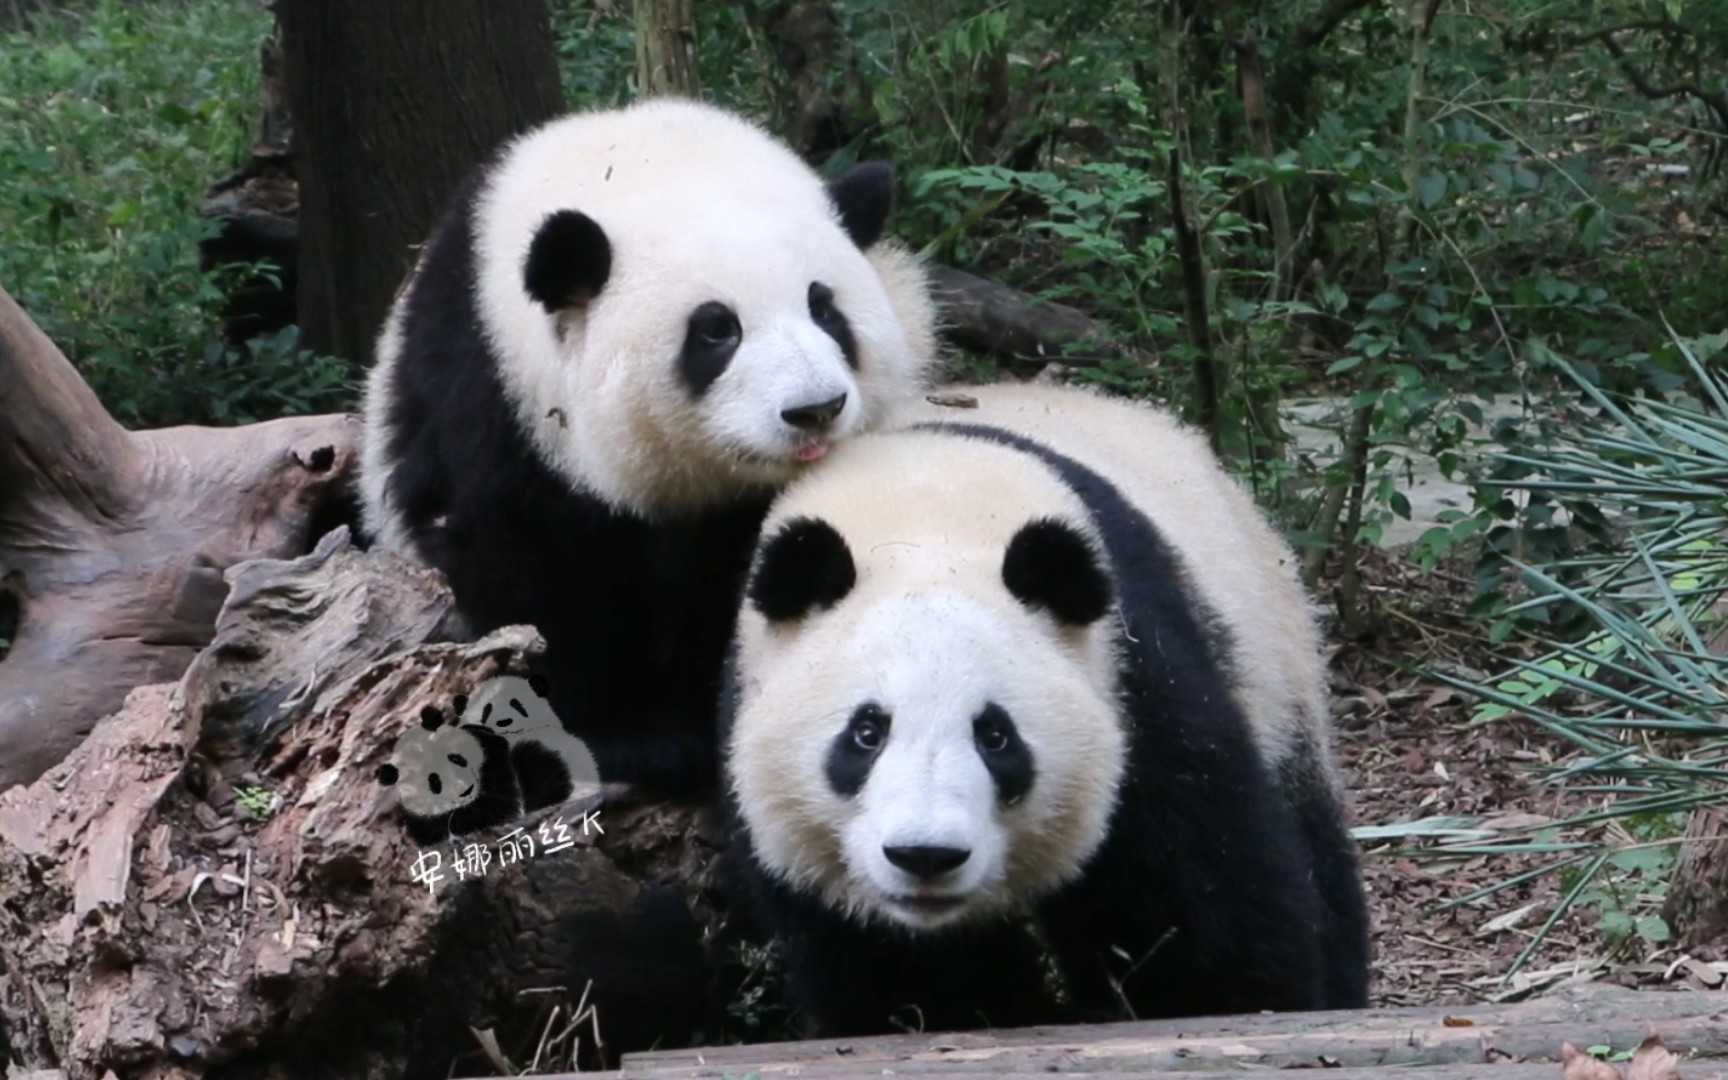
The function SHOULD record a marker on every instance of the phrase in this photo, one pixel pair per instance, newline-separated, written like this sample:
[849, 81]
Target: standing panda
[1029, 687]
[624, 335]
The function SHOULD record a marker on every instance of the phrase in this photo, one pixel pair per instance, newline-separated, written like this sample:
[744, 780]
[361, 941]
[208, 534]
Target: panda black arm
[1203, 884]
[851, 979]
[541, 773]
[500, 798]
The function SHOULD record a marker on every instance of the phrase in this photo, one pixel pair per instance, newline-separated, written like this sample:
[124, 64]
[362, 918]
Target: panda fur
[626, 332]
[451, 781]
[1036, 682]
[549, 761]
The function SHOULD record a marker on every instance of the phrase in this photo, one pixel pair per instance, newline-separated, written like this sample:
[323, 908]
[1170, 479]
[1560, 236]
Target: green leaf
[1431, 188]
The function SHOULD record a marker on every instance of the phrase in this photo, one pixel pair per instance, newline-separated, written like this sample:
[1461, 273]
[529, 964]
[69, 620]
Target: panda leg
[851, 980]
[1344, 934]
[1188, 911]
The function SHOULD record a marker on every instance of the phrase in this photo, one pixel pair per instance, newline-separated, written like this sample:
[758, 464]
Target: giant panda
[625, 333]
[1026, 722]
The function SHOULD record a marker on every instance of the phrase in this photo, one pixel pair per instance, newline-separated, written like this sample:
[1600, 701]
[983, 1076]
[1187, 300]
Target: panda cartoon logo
[451, 780]
[549, 762]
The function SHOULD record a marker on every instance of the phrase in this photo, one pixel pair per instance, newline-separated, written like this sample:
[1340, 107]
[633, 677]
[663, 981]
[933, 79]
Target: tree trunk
[113, 543]
[394, 101]
[1697, 904]
[666, 49]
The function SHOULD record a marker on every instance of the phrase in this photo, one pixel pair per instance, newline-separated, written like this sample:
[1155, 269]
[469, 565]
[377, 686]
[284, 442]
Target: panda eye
[992, 737]
[821, 302]
[435, 783]
[869, 729]
[458, 760]
[714, 326]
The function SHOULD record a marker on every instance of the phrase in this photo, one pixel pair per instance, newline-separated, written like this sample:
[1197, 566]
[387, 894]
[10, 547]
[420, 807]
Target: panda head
[925, 728]
[510, 706]
[435, 767]
[685, 311]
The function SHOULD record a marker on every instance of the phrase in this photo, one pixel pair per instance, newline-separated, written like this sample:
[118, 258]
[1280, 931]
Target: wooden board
[1426, 1043]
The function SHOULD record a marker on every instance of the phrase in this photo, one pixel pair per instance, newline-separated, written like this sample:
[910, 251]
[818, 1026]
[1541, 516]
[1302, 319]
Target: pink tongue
[813, 452]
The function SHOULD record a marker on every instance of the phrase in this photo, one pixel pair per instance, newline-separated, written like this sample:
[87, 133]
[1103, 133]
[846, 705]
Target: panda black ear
[1050, 566]
[537, 683]
[430, 718]
[459, 704]
[388, 775]
[804, 567]
[864, 198]
[568, 262]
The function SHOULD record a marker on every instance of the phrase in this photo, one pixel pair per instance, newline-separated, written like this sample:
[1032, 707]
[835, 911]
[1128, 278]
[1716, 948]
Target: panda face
[921, 752]
[512, 707]
[436, 770]
[684, 312]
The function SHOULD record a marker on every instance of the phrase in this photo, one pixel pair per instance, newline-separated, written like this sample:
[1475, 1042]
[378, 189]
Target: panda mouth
[812, 451]
[466, 792]
[929, 904]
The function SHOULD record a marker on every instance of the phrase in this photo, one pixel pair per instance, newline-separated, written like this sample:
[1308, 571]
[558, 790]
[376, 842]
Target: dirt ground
[1409, 753]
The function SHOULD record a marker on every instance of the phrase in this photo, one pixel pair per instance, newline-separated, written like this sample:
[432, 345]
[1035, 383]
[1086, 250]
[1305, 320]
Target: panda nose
[814, 417]
[927, 861]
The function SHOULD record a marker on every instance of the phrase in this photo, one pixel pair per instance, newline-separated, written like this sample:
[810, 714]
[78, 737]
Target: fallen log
[215, 884]
[994, 320]
[1438, 1042]
[980, 315]
[113, 543]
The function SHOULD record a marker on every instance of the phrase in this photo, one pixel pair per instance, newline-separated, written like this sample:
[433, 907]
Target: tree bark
[113, 543]
[394, 101]
[666, 49]
[1697, 903]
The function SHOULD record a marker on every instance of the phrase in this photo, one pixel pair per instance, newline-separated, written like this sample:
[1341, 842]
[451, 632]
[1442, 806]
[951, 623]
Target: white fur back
[1242, 569]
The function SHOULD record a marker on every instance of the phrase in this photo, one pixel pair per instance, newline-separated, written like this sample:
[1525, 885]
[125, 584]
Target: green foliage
[260, 803]
[1643, 694]
[117, 119]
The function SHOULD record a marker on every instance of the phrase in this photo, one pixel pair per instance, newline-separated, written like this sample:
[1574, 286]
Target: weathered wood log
[1697, 902]
[992, 319]
[1448, 1040]
[215, 884]
[113, 543]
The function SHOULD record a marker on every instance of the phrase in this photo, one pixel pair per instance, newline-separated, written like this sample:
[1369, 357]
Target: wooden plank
[1369, 1038]
[1692, 1069]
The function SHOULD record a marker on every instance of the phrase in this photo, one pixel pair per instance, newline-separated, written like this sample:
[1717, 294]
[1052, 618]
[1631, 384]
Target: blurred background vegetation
[1357, 239]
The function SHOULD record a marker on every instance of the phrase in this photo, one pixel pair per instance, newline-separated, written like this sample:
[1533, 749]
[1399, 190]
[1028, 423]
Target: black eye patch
[457, 760]
[856, 749]
[517, 705]
[828, 316]
[435, 783]
[1005, 754]
[710, 340]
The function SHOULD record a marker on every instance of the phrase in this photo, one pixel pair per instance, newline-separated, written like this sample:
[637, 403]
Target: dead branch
[113, 543]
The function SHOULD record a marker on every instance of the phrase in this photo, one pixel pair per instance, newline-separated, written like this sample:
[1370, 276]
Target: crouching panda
[623, 336]
[1026, 722]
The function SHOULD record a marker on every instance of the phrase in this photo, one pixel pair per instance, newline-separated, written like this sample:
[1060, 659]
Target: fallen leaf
[1653, 1061]
[952, 399]
[1457, 1021]
[1505, 922]
[1708, 974]
[1575, 1064]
